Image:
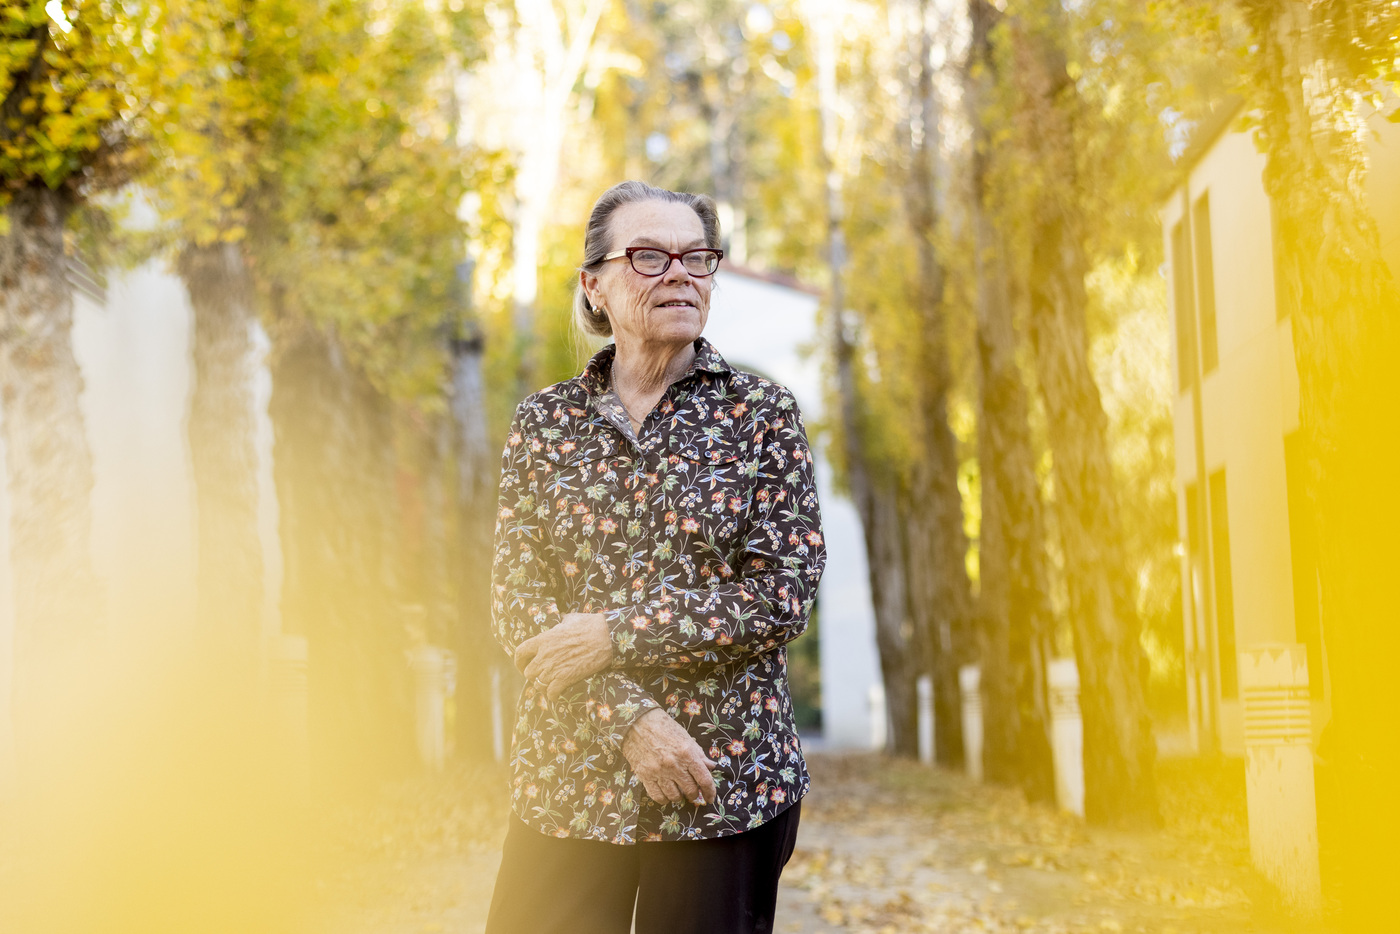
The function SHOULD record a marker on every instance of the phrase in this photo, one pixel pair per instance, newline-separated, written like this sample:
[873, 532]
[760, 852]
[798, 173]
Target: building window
[1205, 283]
[1224, 585]
[1185, 309]
[1302, 541]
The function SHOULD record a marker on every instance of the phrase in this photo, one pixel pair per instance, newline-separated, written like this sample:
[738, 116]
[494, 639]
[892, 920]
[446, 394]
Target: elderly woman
[658, 543]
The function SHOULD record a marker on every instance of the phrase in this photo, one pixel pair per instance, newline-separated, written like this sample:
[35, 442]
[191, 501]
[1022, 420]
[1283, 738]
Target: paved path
[895, 847]
[885, 847]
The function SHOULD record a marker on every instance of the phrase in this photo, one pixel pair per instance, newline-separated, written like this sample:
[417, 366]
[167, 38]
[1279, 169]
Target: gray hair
[596, 240]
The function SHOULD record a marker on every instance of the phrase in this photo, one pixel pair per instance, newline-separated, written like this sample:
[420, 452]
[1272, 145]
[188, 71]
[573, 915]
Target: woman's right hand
[672, 766]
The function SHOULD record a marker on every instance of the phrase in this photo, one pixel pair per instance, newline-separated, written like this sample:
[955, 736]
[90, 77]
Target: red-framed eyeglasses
[649, 261]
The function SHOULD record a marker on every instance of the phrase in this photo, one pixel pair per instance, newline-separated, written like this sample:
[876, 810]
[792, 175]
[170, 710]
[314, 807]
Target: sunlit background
[1090, 309]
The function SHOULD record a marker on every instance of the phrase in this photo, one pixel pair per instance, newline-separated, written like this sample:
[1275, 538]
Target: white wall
[1251, 401]
[766, 328]
[135, 358]
[134, 353]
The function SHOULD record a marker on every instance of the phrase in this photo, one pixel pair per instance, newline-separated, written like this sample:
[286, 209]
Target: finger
[556, 688]
[685, 782]
[704, 781]
[653, 790]
[673, 794]
[535, 670]
[526, 651]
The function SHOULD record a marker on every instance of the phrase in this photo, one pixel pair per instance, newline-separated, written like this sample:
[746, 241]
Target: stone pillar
[879, 716]
[1066, 734]
[970, 687]
[926, 723]
[1279, 771]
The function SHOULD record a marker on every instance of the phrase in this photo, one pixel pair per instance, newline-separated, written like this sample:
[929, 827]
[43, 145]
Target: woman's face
[668, 309]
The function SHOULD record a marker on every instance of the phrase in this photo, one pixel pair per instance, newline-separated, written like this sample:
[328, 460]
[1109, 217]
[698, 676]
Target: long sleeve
[770, 601]
[699, 541]
[524, 588]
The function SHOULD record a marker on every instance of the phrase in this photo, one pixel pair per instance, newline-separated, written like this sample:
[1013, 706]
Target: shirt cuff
[614, 704]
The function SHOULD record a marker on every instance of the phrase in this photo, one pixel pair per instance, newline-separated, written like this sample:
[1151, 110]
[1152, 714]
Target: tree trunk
[222, 450]
[334, 474]
[1014, 611]
[1119, 749]
[886, 553]
[477, 477]
[940, 592]
[1346, 335]
[878, 503]
[876, 500]
[48, 462]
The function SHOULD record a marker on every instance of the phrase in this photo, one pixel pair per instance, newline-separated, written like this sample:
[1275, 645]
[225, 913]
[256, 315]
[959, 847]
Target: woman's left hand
[579, 646]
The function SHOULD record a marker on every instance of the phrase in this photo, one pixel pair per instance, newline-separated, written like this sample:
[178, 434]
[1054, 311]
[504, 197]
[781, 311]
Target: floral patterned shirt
[699, 540]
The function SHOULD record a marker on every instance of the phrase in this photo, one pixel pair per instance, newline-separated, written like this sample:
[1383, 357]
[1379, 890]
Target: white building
[1258, 684]
[1248, 571]
[768, 326]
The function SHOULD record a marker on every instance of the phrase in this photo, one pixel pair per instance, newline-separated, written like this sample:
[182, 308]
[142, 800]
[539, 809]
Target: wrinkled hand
[579, 646]
[672, 766]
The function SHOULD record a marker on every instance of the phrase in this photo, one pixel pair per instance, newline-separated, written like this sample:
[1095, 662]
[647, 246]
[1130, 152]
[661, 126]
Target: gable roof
[1203, 139]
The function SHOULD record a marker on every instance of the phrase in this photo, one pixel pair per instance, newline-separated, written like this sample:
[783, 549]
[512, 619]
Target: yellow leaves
[62, 131]
[66, 122]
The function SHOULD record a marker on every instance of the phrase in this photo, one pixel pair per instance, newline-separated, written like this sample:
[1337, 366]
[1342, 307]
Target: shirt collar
[595, 373]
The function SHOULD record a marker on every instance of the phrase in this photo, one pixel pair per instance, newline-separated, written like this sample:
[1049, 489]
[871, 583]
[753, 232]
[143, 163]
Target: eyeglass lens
[655, 262]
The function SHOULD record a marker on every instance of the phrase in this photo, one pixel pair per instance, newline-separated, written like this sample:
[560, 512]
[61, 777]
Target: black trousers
[724, 886]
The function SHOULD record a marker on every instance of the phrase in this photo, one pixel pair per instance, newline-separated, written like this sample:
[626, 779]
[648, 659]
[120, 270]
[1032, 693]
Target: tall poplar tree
[1013, 601]
[940, 593]
[1119, 747]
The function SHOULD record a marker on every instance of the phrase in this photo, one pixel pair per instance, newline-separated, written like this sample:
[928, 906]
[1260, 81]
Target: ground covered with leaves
[889, 846]
[885, 846]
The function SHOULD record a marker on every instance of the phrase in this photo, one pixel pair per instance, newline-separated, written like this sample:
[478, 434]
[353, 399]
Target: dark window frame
[1209, 339]
[1224, 585]
[1184, 305]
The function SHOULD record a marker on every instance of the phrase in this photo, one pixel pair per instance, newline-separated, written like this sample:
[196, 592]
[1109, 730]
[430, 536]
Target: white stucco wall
[1250, 402]
[764, 327]
[134, 353]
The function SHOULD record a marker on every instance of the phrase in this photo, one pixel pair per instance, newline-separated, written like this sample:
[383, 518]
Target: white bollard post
[970, 688]
[1279, 772]
[1066, 734]
[926, 719]
[879, 716]
[430, 703]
